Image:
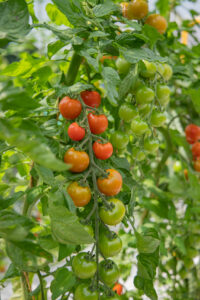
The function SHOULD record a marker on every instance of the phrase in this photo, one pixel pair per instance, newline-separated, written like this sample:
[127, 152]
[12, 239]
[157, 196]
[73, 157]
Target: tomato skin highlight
[80, 195]
[158, 22]
[69, 108]
[137, 9]
[98, 123]
[76, 132]
[109, 246]
[83, 292]
[102, 151]
[79, 160]
[192, 133]
[83, 267]
[91, 98]
[111, 185]
[196, 150]
[115, 215]
[118, 288]
[108, 272]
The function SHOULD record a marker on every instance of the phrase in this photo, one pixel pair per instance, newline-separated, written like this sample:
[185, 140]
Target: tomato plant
[99, 99]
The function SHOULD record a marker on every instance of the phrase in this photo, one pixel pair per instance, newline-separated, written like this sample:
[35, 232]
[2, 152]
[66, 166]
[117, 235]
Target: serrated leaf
[105, 9]
[135, 55]
[54, 47]
[111, 81]
[77, 88]
[56, 16]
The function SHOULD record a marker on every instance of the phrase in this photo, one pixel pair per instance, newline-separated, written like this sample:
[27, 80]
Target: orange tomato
[112, 184]
[118, 288]
[80, 195]
[137, 9]
[79, 160]
[70, 108]
[197, 165]
[158, 22]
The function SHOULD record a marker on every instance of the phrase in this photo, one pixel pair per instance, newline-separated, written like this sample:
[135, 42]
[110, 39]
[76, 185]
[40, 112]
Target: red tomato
[111, 185]
[98, 123]
[196, 150]
[118, 288]
[102, 151]
[70, 108]
[76, 132]
[192, 133]
[91, 98]
[197, 165]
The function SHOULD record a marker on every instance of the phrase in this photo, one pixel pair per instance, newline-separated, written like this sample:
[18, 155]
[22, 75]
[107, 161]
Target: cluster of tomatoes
[111, 211]
[144, 110]
[192, 133]
[138, 10]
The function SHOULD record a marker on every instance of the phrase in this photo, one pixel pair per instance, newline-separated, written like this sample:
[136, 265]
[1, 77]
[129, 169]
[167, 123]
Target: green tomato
[119, 140]
[163, 94]
[83, 292]
[83, 266]
[127, 112]
[136, 85]
[151, 146]
[110, 244]
[144, 95]
[114, 215]
[144, 110]
[89, 229]
[160, 69]
[177, 167]
[138, 154]
[123, 66]
[167, 72]
[108, 272]
[139, 127]
[148, 69]
[158, 119]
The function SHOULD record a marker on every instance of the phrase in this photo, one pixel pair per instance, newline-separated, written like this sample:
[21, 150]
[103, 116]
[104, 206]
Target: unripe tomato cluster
[143, 110]
[111, 211]
[138, 10]
[192, 133]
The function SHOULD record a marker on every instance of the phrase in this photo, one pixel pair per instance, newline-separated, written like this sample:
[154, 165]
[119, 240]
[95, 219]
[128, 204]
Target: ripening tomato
[84, 266]
[98, 123]
[139, 127]
[112, 184]
[148, 69]
[119, 139]
[83, 292]
[102, 151]
[123, 66]
[137, 9]
[127, 112]
[158, 22]
[79, 160]
[118, 288]
[158, 119]
[70, 108]
[196, 150]
[124, 7]
[192, 133]
[185, 171]
[144, 95]
[108, 272]
[91, 98]
[114, 215]
[107, 57]
[163, 94]
[167, 74]
[110, 244]
[81, 195]
[76, 132]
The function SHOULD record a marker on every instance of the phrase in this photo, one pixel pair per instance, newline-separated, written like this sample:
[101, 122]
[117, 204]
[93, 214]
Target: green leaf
[65, 250]
[147, 242]
[163, 6]
[63, 281]
[126, 84]
[111, 80]
[77, 88]
[179, 242]
[135, 55]
[91, 61]
[152, 34]
[56, 16]
[17, 134]
[195, 96]
[194, 189]
[54, 47]
[11, 272]
[66, 228]
[120, 163]
[105, 9]
[14, 19]
[4, 203]
[46, 175]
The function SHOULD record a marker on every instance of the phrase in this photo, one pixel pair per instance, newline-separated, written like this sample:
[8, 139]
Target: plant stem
[73, 69]
[41, 285]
